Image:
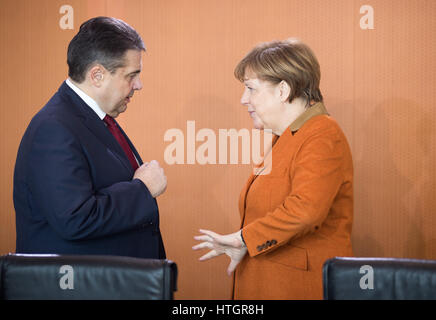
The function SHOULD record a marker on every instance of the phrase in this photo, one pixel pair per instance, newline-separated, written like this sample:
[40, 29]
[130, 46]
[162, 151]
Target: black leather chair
[85, 277]
[379, 279]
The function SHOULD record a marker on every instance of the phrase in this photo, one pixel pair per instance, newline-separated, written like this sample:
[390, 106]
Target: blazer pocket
[290, 256]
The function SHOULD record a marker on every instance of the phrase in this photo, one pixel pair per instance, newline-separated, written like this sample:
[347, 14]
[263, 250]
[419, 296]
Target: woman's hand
[230, 244]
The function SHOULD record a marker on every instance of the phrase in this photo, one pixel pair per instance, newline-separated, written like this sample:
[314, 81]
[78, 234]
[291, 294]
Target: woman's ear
[284, 90]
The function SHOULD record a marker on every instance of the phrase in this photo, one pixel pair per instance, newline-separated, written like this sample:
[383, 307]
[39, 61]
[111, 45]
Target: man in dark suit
[80, 186]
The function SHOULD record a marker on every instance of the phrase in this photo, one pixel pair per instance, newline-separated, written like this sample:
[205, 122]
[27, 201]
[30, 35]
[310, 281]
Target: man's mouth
[128, 98]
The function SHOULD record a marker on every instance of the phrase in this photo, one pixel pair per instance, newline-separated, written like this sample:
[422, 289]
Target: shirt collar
[87, 99]
[315, 110]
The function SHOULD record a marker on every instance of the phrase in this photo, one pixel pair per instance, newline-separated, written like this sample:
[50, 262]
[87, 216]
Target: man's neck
[84, 92]
[85, 88]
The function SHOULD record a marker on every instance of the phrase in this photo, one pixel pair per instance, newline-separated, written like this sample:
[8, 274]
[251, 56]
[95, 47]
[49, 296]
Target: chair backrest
[379, 279]
[86, 277]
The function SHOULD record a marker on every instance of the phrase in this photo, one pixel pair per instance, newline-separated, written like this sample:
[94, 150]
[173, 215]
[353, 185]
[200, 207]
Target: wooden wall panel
[378, 83]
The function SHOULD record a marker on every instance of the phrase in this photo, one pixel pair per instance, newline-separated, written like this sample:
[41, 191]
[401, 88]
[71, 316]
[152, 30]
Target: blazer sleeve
[316, 175]
[61, 188]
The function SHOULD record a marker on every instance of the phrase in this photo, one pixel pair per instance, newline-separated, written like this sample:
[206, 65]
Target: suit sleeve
[316, 176]
[61, 188]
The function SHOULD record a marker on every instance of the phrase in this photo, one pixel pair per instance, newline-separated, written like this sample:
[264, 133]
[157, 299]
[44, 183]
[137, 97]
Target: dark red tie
[116, 132]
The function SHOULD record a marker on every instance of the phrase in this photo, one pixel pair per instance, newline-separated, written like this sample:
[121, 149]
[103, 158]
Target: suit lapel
[99, 129]
[95, 125]
[132, 147]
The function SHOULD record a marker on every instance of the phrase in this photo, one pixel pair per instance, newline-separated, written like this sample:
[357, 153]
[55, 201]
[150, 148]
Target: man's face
[118, 88]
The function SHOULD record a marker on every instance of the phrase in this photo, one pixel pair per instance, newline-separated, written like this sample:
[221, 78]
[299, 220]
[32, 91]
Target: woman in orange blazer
[297, 212]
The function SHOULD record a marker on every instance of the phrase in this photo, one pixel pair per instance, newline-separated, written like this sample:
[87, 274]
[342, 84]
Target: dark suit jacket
[73, 187]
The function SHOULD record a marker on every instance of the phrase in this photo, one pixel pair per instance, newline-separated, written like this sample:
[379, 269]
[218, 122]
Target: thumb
[232, 266]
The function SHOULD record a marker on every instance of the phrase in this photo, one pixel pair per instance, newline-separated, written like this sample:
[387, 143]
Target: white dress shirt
[88, 100]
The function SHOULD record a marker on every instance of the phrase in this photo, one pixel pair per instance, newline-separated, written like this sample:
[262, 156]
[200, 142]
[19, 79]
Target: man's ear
[284, 90]
[96, 75]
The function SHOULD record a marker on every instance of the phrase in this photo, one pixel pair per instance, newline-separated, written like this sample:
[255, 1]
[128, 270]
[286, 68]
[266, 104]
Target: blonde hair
[289, 60]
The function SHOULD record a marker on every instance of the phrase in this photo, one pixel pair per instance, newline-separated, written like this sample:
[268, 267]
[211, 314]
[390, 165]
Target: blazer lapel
[281, 147]
[278, 151]
[258, 170]
[243, 197]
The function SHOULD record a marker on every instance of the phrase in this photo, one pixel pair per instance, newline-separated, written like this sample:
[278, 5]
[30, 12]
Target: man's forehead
[133, 61]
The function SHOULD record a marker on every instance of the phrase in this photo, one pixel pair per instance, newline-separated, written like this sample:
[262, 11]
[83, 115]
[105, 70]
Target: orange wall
[379, 84]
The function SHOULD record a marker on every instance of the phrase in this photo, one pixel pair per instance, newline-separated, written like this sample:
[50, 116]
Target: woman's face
[262, 98]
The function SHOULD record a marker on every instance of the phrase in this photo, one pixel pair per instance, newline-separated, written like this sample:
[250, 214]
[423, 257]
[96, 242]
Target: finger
[203, 238]
[232, 266]
[203, 245]
[211, 254]
[227, 240]
[211, 234]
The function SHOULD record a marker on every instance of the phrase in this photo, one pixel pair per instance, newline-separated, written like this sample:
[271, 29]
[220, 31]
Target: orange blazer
[300, 214]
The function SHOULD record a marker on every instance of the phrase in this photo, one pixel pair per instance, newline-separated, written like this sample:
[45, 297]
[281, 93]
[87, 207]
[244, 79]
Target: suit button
[259, 248]
[268, 244]
[273, 241]
[147, 224]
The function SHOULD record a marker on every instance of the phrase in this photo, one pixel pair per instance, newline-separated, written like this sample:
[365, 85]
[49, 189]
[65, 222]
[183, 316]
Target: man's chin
[120, 110]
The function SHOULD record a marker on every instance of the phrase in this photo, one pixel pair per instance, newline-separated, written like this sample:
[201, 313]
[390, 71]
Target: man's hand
[230, 244]
[153, 177]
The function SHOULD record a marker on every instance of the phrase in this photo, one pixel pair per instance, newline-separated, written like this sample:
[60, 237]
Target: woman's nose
[245, 98]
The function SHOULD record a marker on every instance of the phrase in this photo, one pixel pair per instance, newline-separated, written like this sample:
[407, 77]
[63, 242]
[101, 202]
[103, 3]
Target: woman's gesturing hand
[230, 244]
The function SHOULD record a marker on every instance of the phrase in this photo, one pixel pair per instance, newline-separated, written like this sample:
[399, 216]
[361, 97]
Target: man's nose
[138, 84]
